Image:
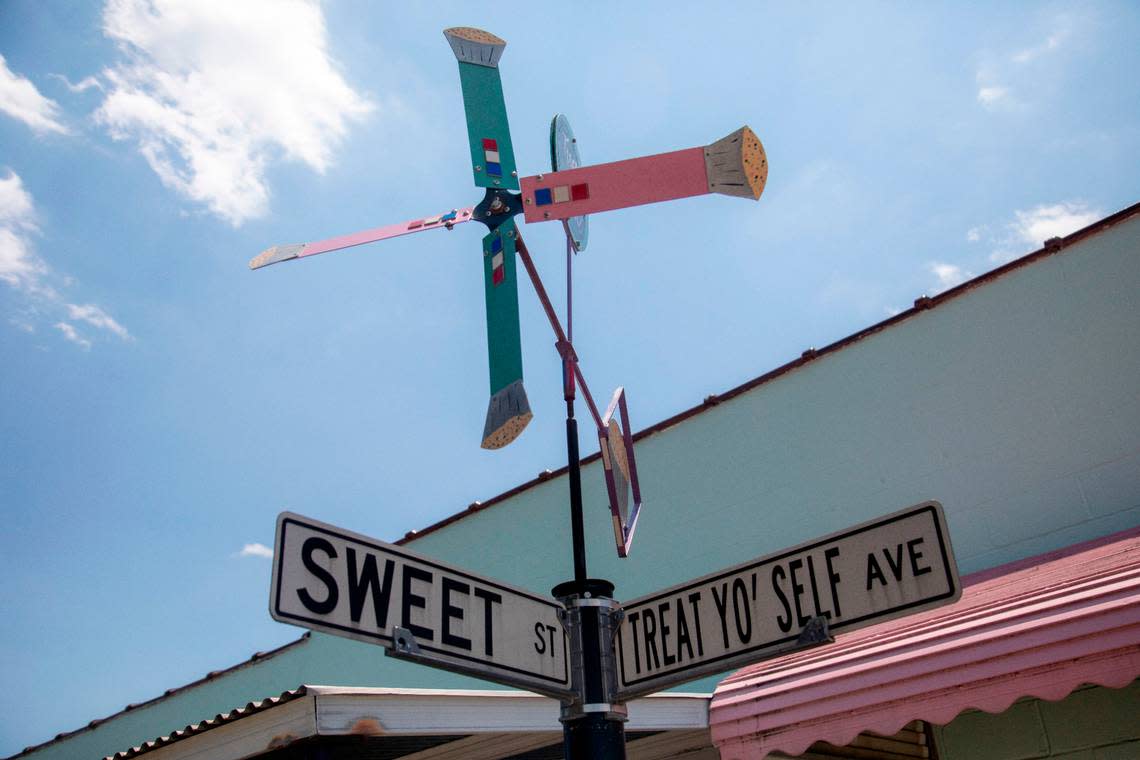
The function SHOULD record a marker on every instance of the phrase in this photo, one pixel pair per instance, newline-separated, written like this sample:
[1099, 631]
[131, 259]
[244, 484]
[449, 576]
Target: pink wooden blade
[604, 187]
[300, 250]
[733, 165]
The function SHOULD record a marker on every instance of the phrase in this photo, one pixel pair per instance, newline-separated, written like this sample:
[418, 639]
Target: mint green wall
[1091, 724]
[1016, 405]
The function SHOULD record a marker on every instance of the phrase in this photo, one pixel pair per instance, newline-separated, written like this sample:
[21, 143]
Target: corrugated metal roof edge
[212, 675]
[205, 725]
[923, 303]
[1038, 627]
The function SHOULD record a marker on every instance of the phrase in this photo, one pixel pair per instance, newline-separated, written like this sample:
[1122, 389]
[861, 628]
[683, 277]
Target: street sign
[346, 584]
[890, 567]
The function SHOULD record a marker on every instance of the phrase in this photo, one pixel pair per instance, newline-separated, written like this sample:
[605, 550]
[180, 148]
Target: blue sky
[160, 404]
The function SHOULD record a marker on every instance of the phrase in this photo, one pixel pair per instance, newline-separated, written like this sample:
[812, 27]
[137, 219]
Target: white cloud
[20, 99]
[19, 265]
[1051, 43]
[992, 96]
[1030, 228]
[948, 275]
[24, 271]
[1039, 224]
[83, 85]
[16, 207]
[256, 550]
[73, 335]
[96, 317]
[1011, 80]
[213, 90]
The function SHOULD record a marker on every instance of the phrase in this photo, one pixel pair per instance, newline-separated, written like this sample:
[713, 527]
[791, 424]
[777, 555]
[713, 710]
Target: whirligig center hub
[498, 206]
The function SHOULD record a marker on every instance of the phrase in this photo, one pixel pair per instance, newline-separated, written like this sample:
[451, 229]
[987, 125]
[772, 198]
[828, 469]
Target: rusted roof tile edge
[923, 303]
[256, 657]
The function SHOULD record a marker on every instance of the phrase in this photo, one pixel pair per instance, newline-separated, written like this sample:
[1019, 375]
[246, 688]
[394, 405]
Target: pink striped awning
[1039, 627]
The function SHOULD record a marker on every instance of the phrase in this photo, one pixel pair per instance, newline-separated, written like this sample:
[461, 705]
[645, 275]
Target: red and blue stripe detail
[562, 194]
[491, 161]
[498, 272]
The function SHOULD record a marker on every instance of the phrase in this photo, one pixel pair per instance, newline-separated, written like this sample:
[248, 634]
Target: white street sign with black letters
[890, 567]
[346, 584]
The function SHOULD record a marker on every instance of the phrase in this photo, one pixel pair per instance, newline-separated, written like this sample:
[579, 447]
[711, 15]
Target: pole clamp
[404, 642]
[816, 632]
[609, 604]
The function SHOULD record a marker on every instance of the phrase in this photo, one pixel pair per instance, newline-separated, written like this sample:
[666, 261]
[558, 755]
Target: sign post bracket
[593, 722]
[404, 642]
[816, 632]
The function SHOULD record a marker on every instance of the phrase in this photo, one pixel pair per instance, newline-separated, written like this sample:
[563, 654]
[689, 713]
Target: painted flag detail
[498, 272]
[561, 194]
[491, 160]
[448, 217]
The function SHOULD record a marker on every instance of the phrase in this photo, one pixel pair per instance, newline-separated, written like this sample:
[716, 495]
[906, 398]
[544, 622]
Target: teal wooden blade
[509, 411]
[492, 155]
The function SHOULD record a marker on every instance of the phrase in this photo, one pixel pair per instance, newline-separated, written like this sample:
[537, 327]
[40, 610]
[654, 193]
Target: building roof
[1039, 627]
[923, 303]
[212, 675]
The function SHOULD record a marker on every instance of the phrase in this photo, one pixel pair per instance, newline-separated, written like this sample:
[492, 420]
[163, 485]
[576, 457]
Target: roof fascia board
[407, 711]
[340, 714]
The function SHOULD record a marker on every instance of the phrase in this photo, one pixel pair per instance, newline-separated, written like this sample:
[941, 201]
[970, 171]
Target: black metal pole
[593, 725]
[577, 528]
[593, 729]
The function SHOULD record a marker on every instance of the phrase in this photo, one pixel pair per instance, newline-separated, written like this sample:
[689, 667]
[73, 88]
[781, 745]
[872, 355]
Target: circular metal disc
[564, 155]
